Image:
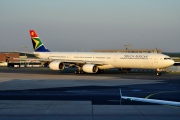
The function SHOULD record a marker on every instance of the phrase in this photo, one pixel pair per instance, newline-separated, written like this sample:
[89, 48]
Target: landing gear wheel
[81, 72]
[102, 71]
[75, 71]
[158, 74]
[78, 72]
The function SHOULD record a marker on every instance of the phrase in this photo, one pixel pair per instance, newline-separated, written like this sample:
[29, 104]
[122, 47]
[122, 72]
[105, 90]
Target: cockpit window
[167, 58]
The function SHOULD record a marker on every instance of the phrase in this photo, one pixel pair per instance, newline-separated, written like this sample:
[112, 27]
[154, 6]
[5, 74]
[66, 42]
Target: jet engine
[57, 65]
[90, 68]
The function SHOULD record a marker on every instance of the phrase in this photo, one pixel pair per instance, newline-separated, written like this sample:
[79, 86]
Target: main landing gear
[158, 74]
[78, 72]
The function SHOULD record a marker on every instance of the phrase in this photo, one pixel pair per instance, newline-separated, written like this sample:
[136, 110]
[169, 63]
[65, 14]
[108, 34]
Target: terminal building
[13, 59]
[8, 56]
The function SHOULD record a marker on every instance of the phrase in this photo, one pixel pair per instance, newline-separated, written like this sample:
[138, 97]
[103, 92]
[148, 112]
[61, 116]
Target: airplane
[93, 62]
[162, 102]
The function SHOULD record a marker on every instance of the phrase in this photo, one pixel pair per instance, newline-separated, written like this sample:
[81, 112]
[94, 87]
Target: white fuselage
[113, 60]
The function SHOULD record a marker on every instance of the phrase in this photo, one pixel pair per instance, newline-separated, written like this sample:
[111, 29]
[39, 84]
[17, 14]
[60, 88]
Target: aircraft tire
[158, 74]
[76, 72]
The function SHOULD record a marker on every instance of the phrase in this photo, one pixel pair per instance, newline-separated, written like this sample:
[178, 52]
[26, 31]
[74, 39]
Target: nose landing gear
[159, 72]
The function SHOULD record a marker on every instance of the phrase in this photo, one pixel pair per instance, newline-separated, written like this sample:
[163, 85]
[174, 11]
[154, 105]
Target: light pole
[127, 46]
[25, 47]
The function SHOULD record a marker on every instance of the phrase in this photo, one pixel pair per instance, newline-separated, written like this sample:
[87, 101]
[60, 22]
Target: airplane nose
[172, 62]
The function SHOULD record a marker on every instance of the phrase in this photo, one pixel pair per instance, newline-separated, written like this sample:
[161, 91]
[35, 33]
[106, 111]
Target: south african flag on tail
[37, 43]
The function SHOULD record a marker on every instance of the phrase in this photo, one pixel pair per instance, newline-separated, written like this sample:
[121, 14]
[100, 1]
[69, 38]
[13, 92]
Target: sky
[85, 25]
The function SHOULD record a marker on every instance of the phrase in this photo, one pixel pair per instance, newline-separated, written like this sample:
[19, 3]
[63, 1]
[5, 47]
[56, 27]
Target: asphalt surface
[43, 94]
[103, 91]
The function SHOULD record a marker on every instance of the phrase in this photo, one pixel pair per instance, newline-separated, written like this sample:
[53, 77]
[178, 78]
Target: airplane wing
[25, 52]
[76, 62]
[31, 59]
[163, 102]
[81, 62]
[65, 61]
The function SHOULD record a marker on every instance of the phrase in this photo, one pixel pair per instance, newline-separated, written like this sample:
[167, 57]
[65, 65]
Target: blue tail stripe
[42, 49]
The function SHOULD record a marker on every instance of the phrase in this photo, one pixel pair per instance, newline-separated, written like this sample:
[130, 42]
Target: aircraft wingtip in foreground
[162, 102]
[91, 62]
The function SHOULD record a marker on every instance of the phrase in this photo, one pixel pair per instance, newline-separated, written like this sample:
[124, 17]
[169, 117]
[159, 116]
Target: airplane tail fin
[37, 43]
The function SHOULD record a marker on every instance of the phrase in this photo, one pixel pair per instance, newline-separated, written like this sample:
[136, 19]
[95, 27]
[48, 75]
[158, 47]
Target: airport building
[8, 56]
[13, 59]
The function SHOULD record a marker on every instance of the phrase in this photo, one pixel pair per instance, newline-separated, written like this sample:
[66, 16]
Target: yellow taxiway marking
[147, 97]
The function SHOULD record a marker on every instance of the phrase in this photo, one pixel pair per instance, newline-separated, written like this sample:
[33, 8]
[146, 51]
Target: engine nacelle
[90, 68]
[56, 65]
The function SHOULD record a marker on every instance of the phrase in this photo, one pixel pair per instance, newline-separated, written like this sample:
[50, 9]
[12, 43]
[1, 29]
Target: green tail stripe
[36, 43]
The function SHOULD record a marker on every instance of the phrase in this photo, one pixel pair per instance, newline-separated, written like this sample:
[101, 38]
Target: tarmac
[71, 90]
[72, 110]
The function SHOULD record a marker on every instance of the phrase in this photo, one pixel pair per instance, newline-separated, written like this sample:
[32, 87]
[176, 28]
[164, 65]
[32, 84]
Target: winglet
[120, 92]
